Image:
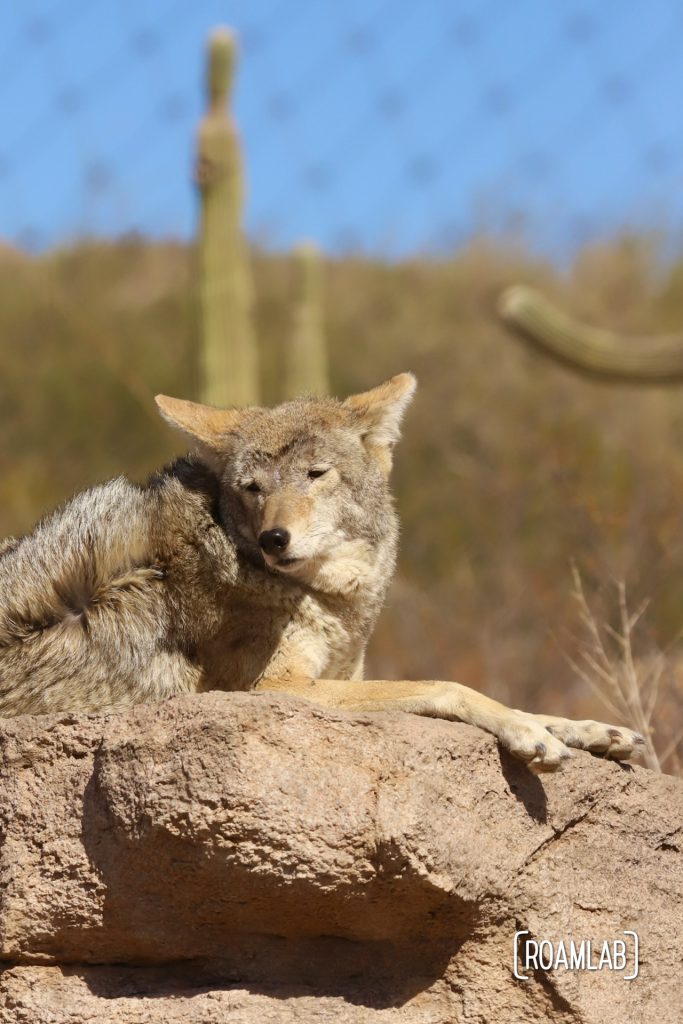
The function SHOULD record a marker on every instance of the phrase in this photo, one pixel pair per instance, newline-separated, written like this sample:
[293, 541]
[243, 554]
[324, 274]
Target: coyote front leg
[610, 741]
[539, 740]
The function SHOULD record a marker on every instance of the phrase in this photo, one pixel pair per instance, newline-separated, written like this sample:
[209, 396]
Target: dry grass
[627, 687]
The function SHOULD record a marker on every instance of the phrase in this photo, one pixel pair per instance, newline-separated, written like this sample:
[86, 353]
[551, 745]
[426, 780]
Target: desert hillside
[510, 467]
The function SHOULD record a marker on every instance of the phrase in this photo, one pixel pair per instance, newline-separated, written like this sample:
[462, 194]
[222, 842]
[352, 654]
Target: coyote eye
[253, 487]
[313, 474]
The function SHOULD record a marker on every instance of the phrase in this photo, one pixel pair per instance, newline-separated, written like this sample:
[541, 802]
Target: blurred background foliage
[510, 466]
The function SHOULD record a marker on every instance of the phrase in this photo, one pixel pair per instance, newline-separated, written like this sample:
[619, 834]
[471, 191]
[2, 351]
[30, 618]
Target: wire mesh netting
[383, 126]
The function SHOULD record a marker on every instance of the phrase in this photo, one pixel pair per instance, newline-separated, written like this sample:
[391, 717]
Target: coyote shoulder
[259, 562]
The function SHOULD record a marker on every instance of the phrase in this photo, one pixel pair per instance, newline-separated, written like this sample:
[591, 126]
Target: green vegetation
[593, 350]
[306, 369]
[510, 466]
[229, 370]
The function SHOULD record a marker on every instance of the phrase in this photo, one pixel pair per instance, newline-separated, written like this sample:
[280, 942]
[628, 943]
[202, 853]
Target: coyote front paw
[611, 741]
[533, 744]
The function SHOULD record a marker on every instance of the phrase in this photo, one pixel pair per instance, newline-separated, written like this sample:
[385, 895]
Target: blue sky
[382, 126]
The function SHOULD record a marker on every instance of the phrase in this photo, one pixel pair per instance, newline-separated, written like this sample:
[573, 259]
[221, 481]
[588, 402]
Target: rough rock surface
[238, 857]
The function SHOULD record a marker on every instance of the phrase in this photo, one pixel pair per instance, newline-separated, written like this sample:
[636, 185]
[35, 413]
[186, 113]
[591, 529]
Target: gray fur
[134, 593]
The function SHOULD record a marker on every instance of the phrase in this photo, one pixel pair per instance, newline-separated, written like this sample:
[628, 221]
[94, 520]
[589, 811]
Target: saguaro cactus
[592, 350]
[306, 366]
[229, 364]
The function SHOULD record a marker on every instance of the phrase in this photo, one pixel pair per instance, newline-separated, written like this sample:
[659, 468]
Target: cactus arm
[592, 350]
[306, 367]
[229, 367]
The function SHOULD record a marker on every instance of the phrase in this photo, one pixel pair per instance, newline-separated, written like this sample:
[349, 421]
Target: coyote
[258, 562]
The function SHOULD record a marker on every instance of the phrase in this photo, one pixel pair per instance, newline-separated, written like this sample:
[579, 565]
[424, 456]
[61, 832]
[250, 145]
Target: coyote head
[305, 482]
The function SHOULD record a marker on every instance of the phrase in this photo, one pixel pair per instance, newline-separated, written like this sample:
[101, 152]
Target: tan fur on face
[376, 413]
[288, 510]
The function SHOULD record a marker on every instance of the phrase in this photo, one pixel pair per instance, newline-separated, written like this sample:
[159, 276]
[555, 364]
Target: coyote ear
[199, 422]
[379, 412]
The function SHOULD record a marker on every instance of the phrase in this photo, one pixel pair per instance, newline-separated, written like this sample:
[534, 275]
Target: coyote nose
[274, 541]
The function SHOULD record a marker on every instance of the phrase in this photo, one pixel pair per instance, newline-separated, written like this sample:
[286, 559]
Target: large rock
[238, 857]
